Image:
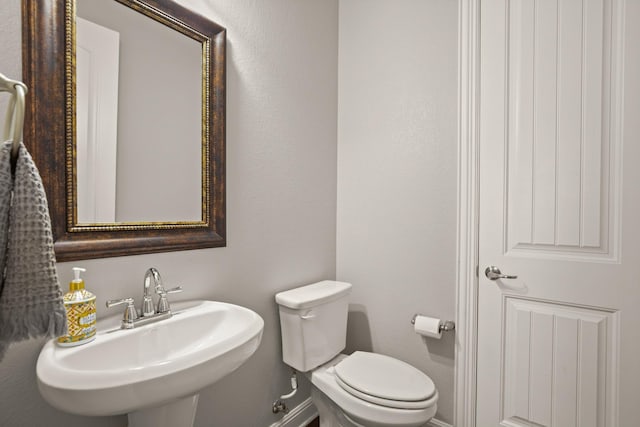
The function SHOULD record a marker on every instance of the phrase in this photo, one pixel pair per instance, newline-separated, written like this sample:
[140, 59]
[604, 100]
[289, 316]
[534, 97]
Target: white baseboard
[437, 423]
[299, 416]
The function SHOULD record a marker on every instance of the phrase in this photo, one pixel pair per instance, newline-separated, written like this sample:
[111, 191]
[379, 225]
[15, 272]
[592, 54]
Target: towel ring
[14, 119]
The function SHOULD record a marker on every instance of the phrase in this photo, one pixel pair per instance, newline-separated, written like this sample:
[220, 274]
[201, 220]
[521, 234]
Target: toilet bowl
[358, 390]
[349, 407]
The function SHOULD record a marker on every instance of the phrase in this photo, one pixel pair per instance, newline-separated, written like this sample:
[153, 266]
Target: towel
[6, 185]
[31, 302]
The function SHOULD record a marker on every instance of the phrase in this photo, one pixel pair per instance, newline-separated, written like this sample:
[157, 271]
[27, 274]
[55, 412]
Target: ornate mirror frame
[48, 52]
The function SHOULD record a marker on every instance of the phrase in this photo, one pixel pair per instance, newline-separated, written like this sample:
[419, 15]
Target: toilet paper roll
[427, 326]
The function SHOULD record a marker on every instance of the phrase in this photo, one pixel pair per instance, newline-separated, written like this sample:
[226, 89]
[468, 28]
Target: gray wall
[281, 203]
[10, 45]
[397, 178]
[396, 193]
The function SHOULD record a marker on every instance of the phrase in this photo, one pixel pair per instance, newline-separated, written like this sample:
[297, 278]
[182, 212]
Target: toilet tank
[313, 323]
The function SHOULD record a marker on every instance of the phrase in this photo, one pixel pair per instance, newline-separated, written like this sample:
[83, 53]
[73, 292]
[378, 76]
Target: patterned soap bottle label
[81, 322]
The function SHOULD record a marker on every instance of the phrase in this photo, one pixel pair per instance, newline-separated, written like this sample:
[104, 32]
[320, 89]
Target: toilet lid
[384, 380]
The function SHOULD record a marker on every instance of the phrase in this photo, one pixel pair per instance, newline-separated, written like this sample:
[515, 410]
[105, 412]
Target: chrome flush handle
[493, 273]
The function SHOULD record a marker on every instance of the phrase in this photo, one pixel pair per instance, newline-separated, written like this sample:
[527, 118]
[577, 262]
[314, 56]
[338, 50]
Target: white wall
[397, 177]
[281, 203]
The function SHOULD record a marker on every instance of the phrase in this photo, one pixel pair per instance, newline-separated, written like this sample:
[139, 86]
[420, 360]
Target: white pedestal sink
[154, 372]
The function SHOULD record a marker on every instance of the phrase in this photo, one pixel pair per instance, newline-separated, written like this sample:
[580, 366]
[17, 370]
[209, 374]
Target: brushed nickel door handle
[493, 273]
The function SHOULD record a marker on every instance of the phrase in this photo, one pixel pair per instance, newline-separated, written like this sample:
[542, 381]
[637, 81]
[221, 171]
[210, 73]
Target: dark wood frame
[50, 131]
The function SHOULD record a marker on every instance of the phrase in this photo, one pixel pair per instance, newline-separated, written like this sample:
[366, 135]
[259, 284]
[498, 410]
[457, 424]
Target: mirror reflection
[139, 118]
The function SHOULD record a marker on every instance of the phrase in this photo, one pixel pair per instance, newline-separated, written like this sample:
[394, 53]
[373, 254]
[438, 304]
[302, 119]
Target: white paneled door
[560, 209]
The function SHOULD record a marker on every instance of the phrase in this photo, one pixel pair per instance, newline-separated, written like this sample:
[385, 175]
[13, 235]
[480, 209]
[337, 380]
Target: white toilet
[363, 389]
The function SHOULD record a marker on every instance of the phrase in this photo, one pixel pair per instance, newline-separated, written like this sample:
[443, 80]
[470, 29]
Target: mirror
[126, 122]
[138, 109]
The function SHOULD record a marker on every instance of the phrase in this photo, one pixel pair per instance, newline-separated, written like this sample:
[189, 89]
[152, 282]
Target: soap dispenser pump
[80, 305]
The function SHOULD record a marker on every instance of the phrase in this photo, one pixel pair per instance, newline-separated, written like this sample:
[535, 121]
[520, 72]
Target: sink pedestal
[177, 413]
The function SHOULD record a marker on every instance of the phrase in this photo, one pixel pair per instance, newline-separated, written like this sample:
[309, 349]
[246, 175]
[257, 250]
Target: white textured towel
[30, 298]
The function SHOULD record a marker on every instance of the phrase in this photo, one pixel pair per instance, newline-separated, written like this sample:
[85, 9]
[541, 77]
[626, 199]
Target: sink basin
[123, 371]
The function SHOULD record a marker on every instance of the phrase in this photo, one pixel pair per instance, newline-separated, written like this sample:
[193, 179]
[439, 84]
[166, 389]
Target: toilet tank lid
[313, 295]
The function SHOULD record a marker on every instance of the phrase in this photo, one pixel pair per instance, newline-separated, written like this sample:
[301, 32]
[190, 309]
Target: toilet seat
[395, 404]
[385, 381]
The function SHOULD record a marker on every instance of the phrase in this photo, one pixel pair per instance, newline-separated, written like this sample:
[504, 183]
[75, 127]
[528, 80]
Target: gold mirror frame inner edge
[70, 124]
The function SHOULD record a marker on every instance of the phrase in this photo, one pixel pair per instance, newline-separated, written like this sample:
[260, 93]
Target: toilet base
[331, 415]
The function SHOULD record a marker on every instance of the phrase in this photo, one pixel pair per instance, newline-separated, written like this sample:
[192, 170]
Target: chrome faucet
[148, 313]
[163, 302]
[147, 301]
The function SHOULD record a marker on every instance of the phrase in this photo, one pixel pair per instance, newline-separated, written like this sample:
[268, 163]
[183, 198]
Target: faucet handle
[162, 291]
[130, 313]
[114, 302]
[163, 302]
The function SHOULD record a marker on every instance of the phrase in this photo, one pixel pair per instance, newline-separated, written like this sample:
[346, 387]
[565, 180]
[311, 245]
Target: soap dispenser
[80, 305]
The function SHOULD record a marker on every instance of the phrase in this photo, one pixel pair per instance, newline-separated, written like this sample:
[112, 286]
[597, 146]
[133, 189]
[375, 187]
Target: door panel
[557, 359]
[557, 345]
[560, 179]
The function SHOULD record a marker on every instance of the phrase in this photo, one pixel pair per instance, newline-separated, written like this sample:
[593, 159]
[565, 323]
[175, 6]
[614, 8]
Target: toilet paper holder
[445, 326]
